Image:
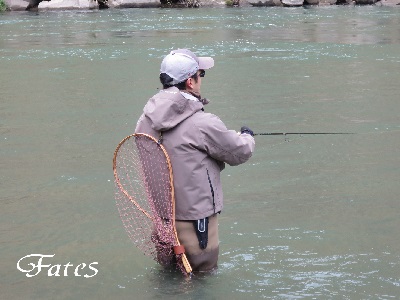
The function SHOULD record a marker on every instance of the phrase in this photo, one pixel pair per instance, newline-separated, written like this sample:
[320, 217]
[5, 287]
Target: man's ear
[189, 83]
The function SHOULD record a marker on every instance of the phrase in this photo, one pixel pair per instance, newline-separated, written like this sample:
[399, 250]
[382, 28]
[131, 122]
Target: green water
[308, 217]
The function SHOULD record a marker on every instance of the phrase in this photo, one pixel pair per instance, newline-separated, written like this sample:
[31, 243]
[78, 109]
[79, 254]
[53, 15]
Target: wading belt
[201, 228]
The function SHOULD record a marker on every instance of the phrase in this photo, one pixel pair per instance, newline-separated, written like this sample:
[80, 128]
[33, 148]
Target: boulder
[80, 4]
[327, 2]
[134, 3]
[17, 4]
[68, 4]
[292, 2]
[390, 2]
[265, 3]
[365, 2]
[311, 2]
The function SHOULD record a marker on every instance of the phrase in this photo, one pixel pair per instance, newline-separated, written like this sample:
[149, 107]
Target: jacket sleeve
[223, 144]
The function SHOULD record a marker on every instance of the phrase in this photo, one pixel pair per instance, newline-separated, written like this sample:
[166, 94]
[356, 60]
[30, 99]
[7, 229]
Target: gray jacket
[198, 145]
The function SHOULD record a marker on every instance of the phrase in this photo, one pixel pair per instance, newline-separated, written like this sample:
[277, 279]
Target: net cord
[185, 261]
[118, 181]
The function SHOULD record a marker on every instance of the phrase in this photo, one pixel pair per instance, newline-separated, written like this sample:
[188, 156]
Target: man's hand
[247, 130]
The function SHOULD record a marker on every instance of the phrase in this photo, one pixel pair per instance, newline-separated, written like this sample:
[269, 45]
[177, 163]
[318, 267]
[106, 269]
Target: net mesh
[145, 199]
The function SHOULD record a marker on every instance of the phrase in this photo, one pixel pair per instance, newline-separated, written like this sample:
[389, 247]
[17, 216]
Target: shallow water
[308, 217]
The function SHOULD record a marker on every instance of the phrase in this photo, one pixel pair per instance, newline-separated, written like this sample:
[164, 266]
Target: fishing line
[297, 134]
[301, 133]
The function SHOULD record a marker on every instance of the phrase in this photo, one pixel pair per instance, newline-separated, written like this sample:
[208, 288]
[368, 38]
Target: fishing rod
[300, 133]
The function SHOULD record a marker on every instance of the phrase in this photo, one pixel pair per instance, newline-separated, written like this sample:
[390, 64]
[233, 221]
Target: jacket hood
[170, 107]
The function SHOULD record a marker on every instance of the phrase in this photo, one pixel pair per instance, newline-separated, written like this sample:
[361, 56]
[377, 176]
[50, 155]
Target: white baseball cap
[181, 64]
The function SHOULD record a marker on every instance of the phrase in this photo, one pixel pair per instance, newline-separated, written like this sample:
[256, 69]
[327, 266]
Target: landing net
[145, 199]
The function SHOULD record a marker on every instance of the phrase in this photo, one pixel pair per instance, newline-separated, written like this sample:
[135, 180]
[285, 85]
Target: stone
[293, 2]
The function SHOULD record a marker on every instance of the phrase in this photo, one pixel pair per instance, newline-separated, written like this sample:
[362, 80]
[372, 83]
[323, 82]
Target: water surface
[308, 217]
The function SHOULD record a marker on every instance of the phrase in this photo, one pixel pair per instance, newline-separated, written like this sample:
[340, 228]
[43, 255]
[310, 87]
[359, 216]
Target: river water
[308, 217]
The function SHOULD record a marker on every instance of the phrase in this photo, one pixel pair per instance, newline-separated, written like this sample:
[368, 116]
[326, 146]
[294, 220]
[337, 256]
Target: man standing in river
[199, 145]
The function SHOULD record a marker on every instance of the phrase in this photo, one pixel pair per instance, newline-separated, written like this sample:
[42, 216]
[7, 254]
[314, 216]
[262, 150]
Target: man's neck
[194, 94]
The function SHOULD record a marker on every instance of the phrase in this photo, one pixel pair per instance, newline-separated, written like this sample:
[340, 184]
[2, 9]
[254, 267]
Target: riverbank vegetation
[3, 6]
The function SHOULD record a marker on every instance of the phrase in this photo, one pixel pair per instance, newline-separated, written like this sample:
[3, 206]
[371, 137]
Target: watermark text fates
[34, 267]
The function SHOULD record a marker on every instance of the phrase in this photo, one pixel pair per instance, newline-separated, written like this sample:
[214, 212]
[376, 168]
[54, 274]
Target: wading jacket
[198, 144]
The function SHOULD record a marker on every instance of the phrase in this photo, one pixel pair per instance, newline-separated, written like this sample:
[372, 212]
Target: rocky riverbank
[14, 5]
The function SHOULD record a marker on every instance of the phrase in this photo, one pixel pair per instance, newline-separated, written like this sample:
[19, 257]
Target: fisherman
[199, 145]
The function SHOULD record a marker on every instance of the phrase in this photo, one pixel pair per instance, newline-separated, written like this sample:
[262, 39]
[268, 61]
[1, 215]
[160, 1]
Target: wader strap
[201, 228]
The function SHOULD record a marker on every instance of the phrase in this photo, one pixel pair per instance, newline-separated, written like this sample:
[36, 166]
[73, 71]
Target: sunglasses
[202, 73]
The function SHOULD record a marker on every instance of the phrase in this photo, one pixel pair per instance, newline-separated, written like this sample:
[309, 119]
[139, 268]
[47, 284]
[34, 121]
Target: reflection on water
[340, 25]
[307, 217]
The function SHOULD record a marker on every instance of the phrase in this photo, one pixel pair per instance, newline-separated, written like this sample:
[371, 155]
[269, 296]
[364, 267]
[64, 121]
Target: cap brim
[205, 63]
